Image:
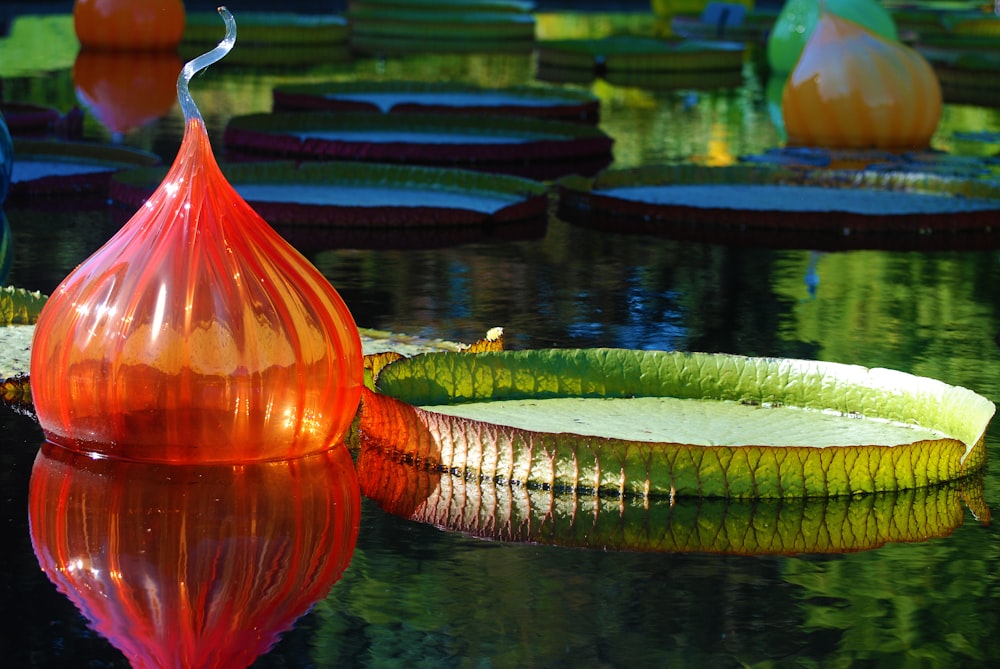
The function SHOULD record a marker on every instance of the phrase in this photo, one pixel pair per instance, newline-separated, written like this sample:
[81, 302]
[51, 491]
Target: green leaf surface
[690, 421]
[911, 431]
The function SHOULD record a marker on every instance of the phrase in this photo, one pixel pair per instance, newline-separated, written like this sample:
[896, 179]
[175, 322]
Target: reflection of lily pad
[440, 98]
[620, 421]
[780, 207]
[498, 143]
[505, 512]
[339, 194]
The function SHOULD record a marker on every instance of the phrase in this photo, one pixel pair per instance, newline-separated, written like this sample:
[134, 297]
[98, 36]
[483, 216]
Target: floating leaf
[375, 362]
[680, 423]
[19, 306]
[440, 98]
[907, 205]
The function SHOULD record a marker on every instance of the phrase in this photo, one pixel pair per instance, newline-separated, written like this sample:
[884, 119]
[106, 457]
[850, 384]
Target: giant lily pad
[511, 513]
[654, 423]
[773, 206]
[364, 195]
[50, 167]
[440, 98]
[524, 146]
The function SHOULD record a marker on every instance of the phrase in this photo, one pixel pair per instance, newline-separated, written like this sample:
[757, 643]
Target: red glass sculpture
[196, 334]
[852, 88]
[193, 566]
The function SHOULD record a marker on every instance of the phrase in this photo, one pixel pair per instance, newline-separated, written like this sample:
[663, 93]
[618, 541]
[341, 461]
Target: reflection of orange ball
[126, 91]
[852, 88]
[135, 25]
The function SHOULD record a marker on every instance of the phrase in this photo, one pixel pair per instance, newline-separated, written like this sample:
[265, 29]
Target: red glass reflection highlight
[193, 566]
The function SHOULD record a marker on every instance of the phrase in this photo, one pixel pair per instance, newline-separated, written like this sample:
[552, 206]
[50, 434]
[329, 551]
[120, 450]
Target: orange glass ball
[125, 93]
[201, 566]
[129, 25]
[852, 88]
[196, 334]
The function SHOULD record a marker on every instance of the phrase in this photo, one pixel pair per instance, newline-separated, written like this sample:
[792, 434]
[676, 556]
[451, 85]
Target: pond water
[908, 581]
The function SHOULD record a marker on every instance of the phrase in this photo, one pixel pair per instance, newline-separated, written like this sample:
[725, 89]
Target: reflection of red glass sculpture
[852, 88]
[201, 566]
[196, 325]
[126, 92]
[131, 25]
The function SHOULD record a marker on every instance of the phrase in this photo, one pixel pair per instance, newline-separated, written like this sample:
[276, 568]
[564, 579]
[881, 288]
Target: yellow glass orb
[852, 88]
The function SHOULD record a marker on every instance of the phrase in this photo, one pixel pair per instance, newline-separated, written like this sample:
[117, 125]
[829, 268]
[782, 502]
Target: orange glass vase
[196, 333]
[852, 88]
[201, 566]
[129, 25]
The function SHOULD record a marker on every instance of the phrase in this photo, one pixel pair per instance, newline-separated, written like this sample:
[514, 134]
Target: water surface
[417, 596]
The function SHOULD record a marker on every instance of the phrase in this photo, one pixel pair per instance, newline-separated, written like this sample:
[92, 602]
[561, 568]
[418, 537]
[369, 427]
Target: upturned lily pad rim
[391, 418]
[487, 509]
[107, 157]
[83, 152]
[528, 198]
